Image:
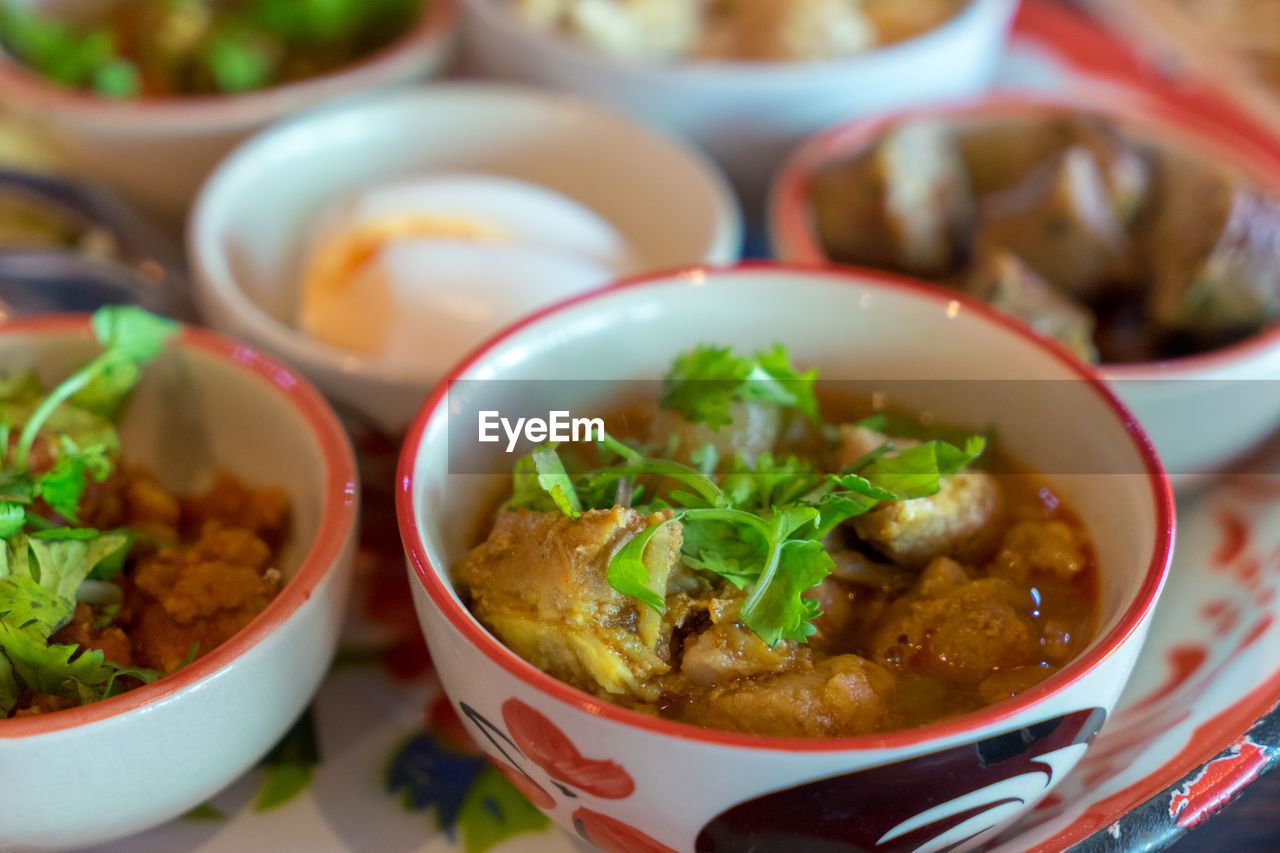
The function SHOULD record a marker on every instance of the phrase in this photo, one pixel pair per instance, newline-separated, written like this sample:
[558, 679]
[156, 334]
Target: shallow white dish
[251, 220]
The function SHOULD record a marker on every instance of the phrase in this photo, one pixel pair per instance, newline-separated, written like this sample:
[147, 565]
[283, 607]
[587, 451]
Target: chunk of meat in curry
[539, 581]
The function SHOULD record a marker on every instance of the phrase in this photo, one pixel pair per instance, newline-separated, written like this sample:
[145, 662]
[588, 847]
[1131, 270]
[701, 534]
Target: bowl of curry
[804, 580]
[179, 519]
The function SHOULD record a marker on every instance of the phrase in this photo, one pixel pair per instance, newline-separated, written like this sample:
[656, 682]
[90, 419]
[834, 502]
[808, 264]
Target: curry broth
[1030, 621]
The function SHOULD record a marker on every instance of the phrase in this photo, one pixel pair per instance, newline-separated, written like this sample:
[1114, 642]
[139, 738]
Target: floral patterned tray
[381, 761]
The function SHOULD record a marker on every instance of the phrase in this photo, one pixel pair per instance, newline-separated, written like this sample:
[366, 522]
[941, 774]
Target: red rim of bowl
[337, 520]
[462, 621]
[437, 19]
[793, 236]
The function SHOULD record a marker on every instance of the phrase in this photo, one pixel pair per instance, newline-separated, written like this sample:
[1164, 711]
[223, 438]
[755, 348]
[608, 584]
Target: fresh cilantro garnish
[555, 481]
[704, 382]
[758, 524]
[761, 530]
[45, 561]
[627, 573]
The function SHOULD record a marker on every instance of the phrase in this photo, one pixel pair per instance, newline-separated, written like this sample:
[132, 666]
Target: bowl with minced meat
[170, 615]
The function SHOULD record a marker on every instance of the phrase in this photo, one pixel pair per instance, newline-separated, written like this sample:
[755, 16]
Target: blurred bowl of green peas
[147, 95]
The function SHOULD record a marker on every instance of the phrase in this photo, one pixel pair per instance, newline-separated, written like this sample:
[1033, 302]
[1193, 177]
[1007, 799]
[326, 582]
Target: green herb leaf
[766, 482]
[281, 784]
[110, 687]
[836, 508]
[203, 812]
[704, 382]
[241, 60]
[131, 337]
[13, 516]
[62, 485]
[774, 609]
[118, 78]
[65, 562]
[628, 574]
[863, 487]
[775, 380]
[706, 459]
[10, 690]
[556, 482]
[917, 471]
[60, 670]
[780, 612]
[15, 557]
[27, 606]
[729, 568]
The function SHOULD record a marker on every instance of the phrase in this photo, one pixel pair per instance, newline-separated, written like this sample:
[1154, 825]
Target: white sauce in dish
[415, 272]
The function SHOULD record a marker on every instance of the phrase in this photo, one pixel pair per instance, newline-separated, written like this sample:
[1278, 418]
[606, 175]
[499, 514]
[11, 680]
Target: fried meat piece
[540, 583]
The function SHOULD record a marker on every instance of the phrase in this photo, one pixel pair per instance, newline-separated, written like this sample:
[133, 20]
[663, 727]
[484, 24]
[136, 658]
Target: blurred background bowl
[251, 221]
[71, 245]
[158, 150]
[1201, 411]
[748, 115]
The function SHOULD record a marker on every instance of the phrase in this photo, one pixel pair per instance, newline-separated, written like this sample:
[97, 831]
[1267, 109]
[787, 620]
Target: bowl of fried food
[1137, 234]
[178, 526]
[733, 559]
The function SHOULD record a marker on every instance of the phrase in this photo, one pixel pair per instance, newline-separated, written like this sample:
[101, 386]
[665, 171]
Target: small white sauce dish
[254, 224]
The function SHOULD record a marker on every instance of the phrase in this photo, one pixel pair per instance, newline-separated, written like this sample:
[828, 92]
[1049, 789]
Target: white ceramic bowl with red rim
[629, 781]
[748, 115]
[253, 218]
[1201, 411]
[122, 765]
[158, 150]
